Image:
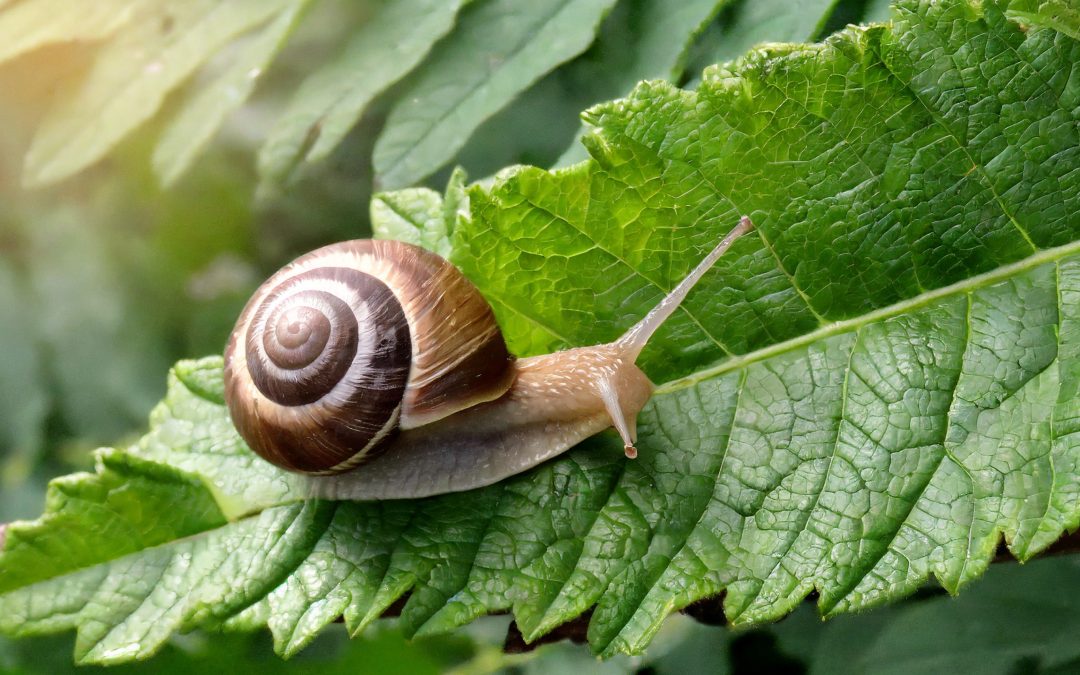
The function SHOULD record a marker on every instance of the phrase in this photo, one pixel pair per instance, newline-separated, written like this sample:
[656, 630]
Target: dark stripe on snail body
[380, 362]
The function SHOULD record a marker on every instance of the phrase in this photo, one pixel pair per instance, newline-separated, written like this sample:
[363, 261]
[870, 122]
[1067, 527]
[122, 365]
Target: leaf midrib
[837, 327]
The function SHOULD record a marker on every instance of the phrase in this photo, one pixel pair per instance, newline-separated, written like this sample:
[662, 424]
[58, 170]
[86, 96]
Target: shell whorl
[347, 343]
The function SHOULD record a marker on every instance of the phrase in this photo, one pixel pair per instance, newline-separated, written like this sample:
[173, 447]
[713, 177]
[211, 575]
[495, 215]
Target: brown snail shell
[347, 344]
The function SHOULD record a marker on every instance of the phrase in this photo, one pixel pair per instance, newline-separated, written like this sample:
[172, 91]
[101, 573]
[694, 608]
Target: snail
[375, 369]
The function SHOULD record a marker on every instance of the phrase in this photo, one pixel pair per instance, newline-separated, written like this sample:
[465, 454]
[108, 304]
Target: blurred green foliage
[108, 278]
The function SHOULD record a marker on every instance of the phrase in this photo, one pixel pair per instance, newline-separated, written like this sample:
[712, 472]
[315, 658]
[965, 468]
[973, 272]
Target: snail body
[377, 371]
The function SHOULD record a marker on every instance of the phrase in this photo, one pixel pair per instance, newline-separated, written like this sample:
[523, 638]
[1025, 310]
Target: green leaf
[133, 601]
[129, 504]
[499, 48]
[655, 55]
[160, 47]
[193, 127]
[332, 99]
[32, 24]
[876, 388]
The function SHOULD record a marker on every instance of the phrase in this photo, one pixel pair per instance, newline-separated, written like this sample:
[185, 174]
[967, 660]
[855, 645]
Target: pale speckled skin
[553, 404]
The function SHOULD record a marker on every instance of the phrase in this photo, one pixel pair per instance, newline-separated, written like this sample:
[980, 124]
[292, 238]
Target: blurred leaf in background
[187, 67]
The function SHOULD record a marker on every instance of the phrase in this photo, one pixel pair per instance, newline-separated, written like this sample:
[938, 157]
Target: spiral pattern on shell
[338, 349]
